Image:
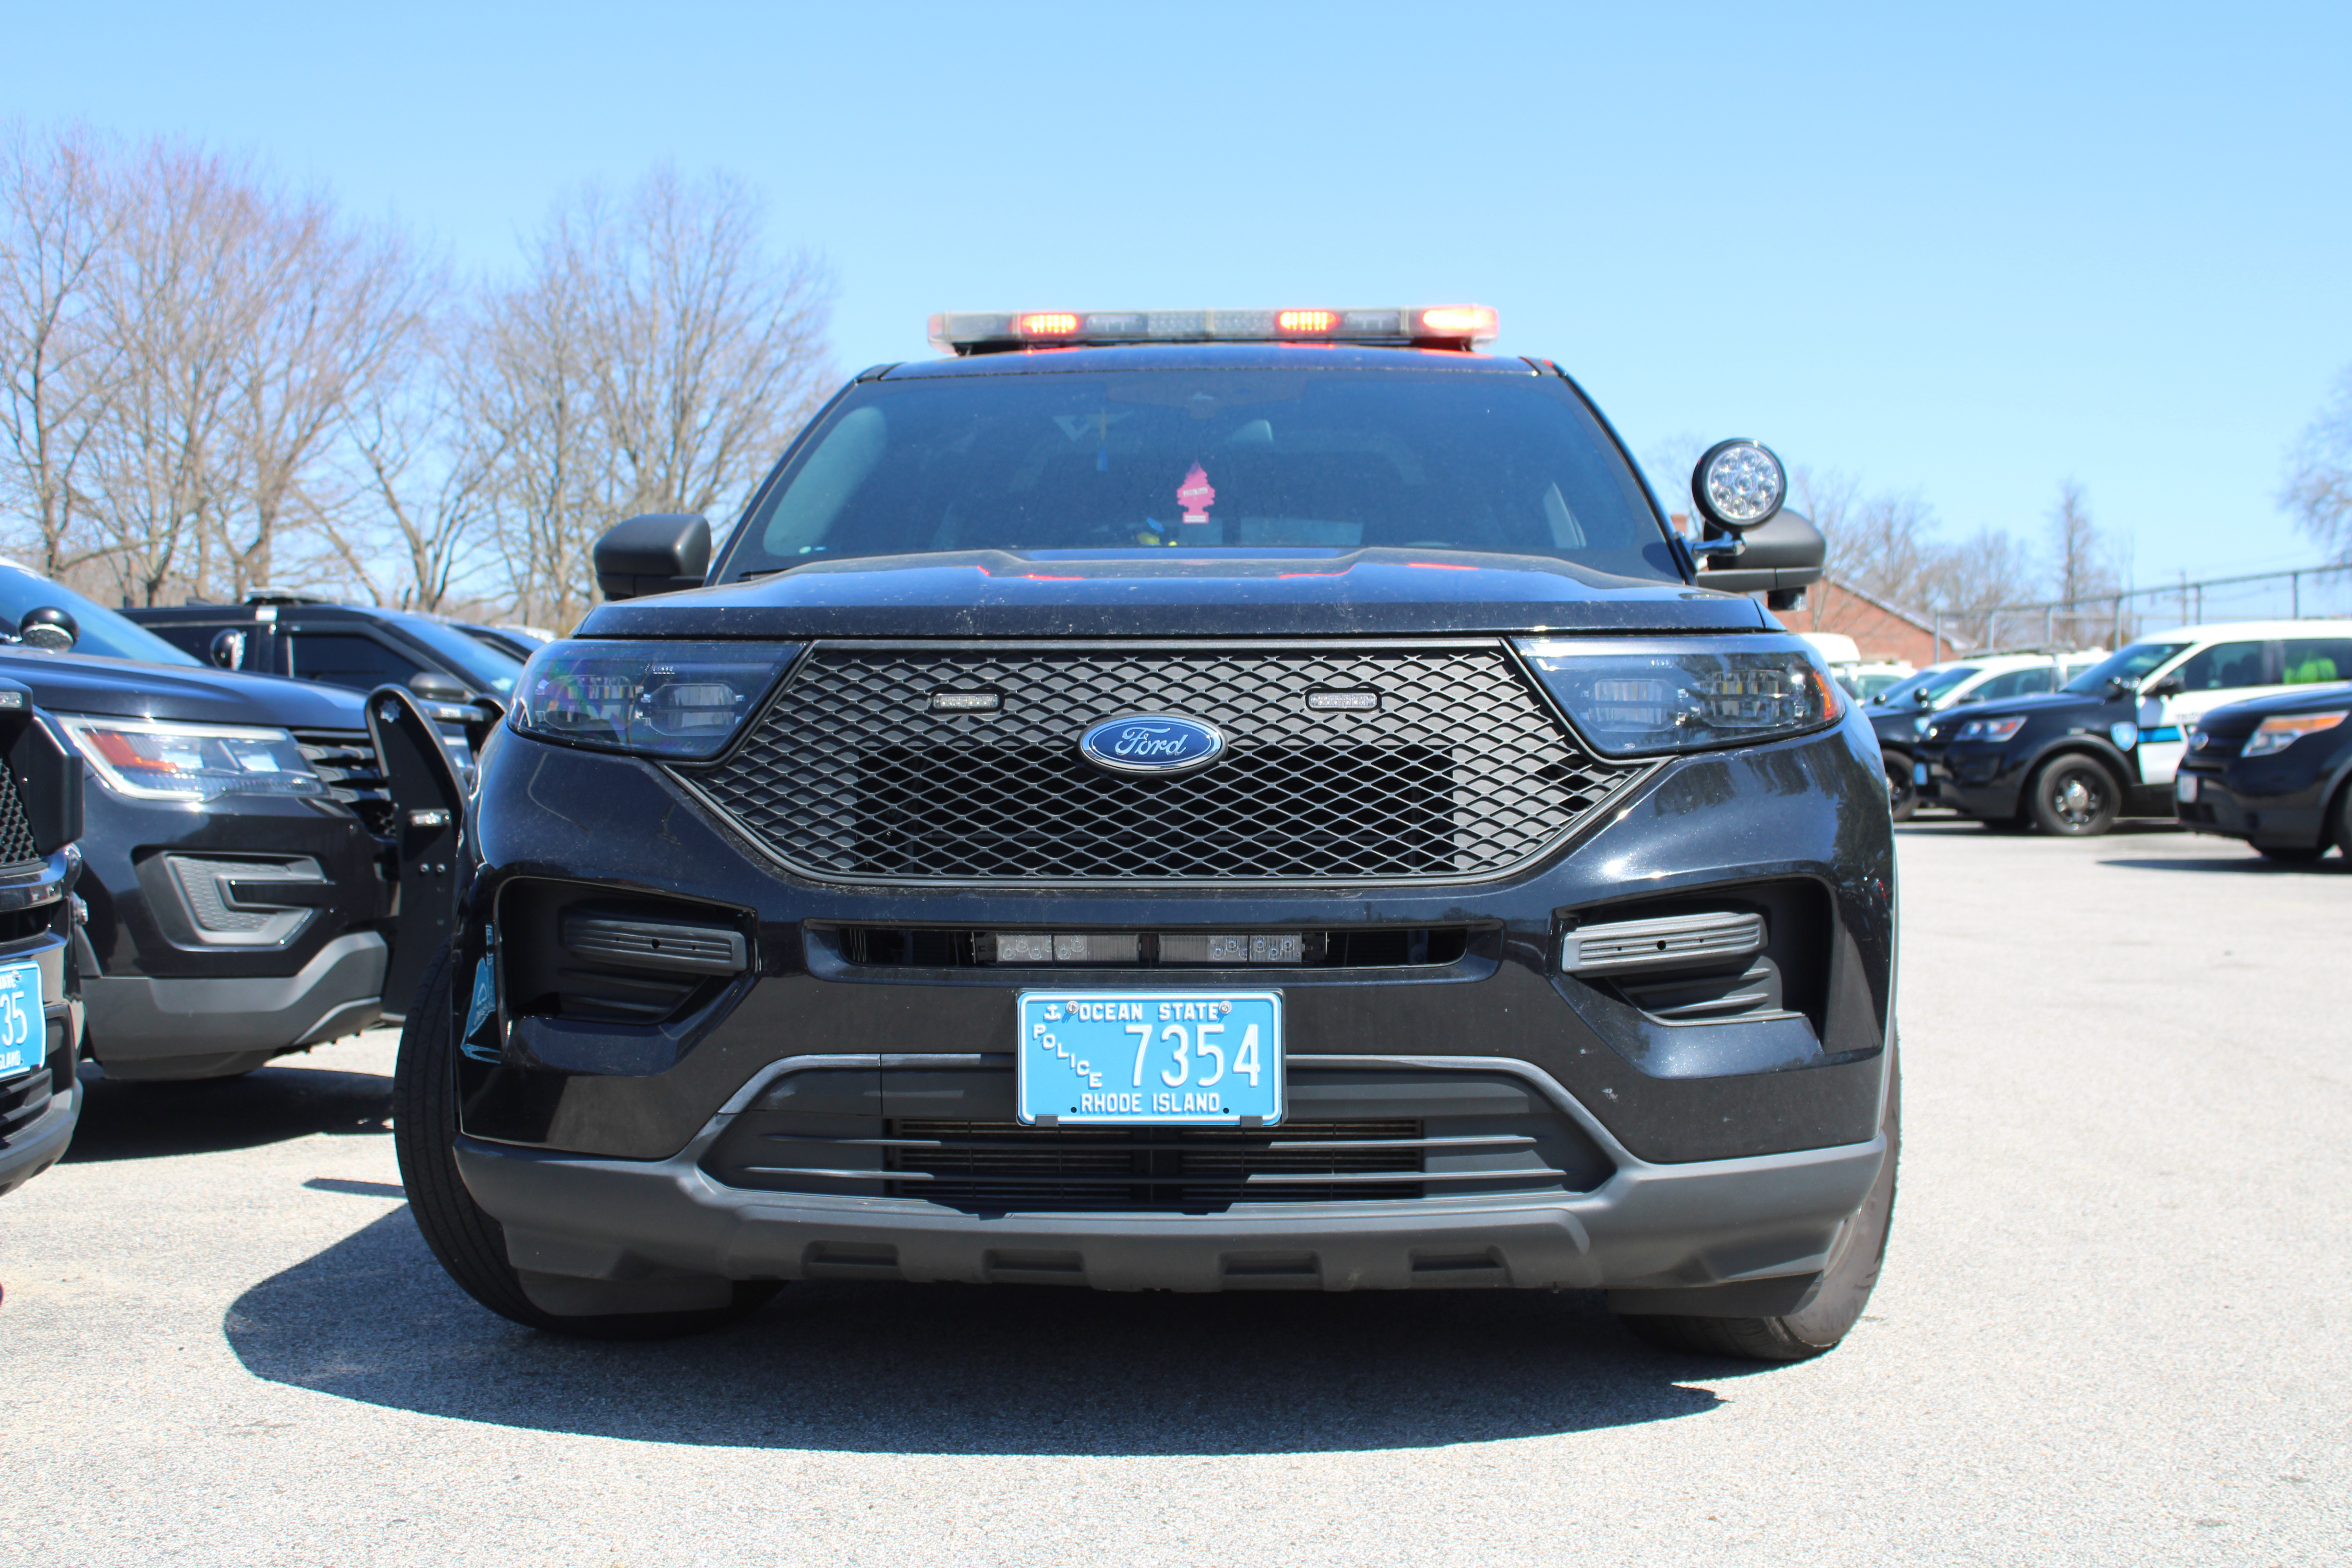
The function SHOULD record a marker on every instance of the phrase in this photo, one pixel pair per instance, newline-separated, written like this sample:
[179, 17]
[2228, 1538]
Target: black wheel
[2075, 797]
[1901, 799]
[2340, 822]
[2290, 854]
[1846, 1285]
[470, 1243]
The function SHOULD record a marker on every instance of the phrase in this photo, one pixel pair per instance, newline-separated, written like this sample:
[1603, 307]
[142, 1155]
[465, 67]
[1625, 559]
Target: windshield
[2130, 665]
[1926, 685]
[486, 669]
[99, 630]
[1293, 460]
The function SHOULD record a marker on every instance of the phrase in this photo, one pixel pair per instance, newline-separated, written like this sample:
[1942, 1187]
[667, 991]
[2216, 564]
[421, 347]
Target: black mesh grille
[1002, 1165]
[346, 760]
[16, 845]
[1459, 772]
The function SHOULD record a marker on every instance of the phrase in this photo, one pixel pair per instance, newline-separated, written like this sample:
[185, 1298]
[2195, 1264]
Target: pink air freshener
[1195, 495]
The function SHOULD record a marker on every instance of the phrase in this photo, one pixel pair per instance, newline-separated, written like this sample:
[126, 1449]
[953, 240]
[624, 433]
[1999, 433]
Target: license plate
[1176, 1057]
[24, 1035]
[2185, 786]
[1918, 772]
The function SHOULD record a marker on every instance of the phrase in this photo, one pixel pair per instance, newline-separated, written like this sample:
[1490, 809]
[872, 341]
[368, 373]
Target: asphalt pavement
[2113, 1328]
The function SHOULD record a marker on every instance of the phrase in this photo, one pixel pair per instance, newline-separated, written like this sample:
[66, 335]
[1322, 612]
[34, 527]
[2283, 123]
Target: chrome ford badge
[1152, 743]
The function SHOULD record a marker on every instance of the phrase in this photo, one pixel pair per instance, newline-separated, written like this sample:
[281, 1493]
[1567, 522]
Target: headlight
[149, 759]
[2278, 734]
[682, 700]
[1994, 730]
[1631, 697]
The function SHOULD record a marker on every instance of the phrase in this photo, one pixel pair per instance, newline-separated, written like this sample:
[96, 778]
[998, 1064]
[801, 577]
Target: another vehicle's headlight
[1628, 697]
[152, 760]
[680, 699]
[1993, 730]
[2277, 734]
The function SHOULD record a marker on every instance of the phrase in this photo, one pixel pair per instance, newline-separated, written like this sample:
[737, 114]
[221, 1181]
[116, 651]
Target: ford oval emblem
[1152, 743]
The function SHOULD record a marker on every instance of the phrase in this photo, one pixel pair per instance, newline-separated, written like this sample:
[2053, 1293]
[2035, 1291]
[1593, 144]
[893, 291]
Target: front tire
[1902, 798]
[1845, 1287]
[463, 1235]
[2075, 797]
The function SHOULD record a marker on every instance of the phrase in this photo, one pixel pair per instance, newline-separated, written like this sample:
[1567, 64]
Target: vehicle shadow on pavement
[206, 1116]
[2252, 865]
[872, 1368]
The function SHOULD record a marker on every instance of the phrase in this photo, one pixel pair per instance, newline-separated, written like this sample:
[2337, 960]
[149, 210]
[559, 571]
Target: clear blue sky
[1970, 251]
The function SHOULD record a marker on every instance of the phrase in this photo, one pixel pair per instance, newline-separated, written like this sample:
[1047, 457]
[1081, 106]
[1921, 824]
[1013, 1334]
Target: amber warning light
[1460, 326]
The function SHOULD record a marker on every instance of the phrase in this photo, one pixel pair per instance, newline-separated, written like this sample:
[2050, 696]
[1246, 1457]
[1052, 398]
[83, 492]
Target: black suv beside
[356, 645]
[2275, 771]
[250, 851]
[40, 1001]
[1186, 815]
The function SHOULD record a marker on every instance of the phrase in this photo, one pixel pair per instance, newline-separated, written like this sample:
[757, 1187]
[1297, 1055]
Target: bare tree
[2083, 571]
[421, 490]
[2319, 477]
[330, 307]
[656, 358]
[58, 216]
[164, 460]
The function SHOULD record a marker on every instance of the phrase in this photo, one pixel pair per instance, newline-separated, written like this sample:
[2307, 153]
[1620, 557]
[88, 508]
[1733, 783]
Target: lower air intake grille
[16, 846]
[1459, 770]
[346, 760]
[1000, 1165]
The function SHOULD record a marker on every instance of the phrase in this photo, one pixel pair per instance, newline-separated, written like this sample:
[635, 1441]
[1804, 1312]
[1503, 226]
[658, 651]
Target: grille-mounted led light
[1462, 326]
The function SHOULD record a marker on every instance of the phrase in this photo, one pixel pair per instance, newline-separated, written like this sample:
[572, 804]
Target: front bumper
[1975, 781]
[212, 1026]
[611, 1235]
[28, 1151]
[2291, 817]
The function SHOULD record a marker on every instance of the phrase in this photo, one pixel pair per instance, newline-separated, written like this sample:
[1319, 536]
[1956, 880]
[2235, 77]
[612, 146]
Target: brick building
[1884, 632]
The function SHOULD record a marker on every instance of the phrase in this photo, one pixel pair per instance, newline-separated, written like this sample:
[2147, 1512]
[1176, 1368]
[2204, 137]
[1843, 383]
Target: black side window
[344, 659]
[2224, 667]
[2030, 681]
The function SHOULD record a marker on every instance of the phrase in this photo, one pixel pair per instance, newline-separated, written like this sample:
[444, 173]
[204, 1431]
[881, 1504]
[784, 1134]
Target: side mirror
[2169, 686]
[660, 553]
[48, 627]
[434, 686]
[1782, 555]
[227, 648]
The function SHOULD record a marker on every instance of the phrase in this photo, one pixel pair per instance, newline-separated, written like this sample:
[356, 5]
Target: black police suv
[249, 850]
[1161, 801]
[2275, 771]
[357, 646]
[40, 1003]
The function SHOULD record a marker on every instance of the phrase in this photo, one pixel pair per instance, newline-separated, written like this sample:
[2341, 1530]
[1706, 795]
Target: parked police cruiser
[255, 847]
[1180, 800]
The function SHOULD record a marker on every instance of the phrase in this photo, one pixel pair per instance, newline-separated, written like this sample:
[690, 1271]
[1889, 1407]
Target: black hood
[1360, 593]
[2064, 706]
[124, 688]
[2245, 717]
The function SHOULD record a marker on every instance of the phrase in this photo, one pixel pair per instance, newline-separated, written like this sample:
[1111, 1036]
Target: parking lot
[2113, 1326]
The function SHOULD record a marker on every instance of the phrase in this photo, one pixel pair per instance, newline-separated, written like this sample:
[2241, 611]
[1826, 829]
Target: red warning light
[1046, 325]
[1306, 322]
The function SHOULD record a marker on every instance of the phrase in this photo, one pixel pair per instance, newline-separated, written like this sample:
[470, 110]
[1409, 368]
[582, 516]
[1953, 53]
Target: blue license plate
[1918, 772]
[24, 1035]
[1201, 1058]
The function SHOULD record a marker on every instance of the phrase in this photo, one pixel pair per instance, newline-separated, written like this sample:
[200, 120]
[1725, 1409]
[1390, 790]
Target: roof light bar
[1419, 326]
